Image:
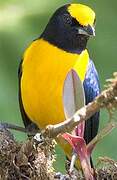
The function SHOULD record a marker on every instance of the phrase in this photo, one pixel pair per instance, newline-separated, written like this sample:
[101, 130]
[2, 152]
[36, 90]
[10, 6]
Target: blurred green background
[23, 21]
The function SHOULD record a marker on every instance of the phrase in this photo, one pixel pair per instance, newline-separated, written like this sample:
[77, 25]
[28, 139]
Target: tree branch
[107, 99]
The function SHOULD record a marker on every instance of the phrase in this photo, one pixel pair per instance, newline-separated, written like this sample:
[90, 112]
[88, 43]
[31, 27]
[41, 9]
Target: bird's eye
[74, 22]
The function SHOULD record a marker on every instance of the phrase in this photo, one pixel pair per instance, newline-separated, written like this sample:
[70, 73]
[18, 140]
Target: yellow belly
[44, 70]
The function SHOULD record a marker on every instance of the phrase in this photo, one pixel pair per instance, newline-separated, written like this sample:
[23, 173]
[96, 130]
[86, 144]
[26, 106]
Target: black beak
[86, 30]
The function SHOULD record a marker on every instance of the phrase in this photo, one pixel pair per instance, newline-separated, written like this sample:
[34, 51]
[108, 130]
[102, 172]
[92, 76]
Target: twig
[108, 128]
[17, 128]
[13, 127]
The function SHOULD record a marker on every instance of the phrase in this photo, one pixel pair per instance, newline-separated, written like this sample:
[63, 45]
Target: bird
[50, 66]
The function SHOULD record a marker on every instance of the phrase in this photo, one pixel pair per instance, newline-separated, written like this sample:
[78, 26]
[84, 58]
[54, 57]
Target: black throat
[73, 43]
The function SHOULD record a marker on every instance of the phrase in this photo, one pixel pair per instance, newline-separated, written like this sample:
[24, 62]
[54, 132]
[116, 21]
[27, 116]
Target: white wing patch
[73, 93]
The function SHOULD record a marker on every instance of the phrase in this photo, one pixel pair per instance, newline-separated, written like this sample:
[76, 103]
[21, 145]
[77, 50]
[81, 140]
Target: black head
[70, 28]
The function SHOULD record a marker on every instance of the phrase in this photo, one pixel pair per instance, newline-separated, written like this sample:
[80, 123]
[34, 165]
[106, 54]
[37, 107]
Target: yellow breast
[44, 70]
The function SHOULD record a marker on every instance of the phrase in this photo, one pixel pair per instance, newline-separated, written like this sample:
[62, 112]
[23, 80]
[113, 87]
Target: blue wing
[92, 89]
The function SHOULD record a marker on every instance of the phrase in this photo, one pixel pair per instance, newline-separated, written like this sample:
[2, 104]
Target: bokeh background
[23, 21]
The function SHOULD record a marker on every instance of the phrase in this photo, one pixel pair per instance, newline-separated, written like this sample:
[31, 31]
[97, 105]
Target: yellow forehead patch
[82, 13]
